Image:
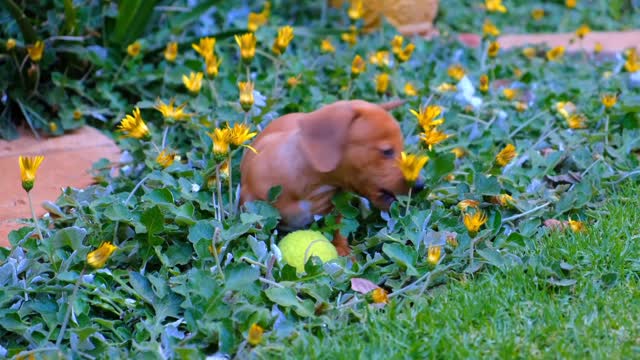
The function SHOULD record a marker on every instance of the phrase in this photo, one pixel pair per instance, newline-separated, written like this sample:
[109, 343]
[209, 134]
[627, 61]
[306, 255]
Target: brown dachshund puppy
[348, 145]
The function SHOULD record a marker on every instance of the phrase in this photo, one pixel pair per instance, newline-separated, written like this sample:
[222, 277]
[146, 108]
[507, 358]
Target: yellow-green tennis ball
[297, 247]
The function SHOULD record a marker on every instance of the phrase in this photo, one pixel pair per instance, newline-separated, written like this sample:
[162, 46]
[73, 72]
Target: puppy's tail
[392, 104]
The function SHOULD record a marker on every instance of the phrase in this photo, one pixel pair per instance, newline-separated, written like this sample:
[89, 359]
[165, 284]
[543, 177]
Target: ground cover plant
[521, 149]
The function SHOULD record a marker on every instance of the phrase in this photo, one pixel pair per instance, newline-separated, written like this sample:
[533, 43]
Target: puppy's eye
[389, 153]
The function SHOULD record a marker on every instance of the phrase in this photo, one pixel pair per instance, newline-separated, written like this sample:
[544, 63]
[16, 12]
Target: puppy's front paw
[341, 244]
[343, 250]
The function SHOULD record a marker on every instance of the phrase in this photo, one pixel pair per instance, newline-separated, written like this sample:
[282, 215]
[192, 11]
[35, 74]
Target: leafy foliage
[193, 273]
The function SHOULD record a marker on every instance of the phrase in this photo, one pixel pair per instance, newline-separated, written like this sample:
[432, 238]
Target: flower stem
[219, 192]
[214, 92]
[216, 236]
[164, 136]
[33, 215]
[135, 188]
[408, 203]
[276, 77]
[65, 322]
[231, 207]
[349, 88]
[606, 130]
[115, 77]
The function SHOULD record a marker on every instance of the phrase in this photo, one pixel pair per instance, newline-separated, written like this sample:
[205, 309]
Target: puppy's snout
[418, 185]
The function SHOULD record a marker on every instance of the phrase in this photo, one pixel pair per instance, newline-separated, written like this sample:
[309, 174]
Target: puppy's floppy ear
[323, 134]
[392, 104]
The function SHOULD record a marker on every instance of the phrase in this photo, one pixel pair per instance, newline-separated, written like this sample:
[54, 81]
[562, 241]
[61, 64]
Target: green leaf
[562, 283]
[286, 297]
[274, 193]
[133, 17]
[159, 196]
[153, 220]
[440, 165]
[182, 20]
[142, 286]
[402, 255]
[342, 201]
[185, 214]
[486, 185]
[71, 237]
[240, 277]
[202, 229]
[492, 256]
[118, 212]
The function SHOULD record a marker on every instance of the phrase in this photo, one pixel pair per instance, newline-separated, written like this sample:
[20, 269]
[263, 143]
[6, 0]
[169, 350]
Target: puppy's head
[357, 144]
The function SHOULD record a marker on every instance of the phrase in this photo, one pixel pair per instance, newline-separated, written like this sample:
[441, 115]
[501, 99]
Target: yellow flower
[97, 258]
[504, 199]
[382, 83]
[565, 108]
[597, 48]
[246, 95]
[458, 152]
[489, 29]
[379, 296]
[484, 83]
[255, 334]
[11, 43]
[205, 46]
[405, 54]
[134, 49]
[28, 168]
[474, 221]
[468, 203]
[294, 81]
[493, 49]
[171, 51]
[165, 159]
[358, 65]
[495, 6]
[509, 93]
[571, 4]
[582, 31]
[327, 47]
[193, 82]
[380, 58]
[529, 52]
[285, 35]
[212, 64]
[433, 136]
[456, 72]
[53, 127]
[396, 44]
[247, 44]
[609, 100]
[556, 53]
[220, 139]
[537, 14]
[433, 254]
[356, 10]
[35, 51]
[168, 111]
[632, 64]
[410, 90]
[134, 126]
[428, 116]
[77, 114]
[452, 240]
[517, 72]
[446, 87]
[256, 20]
[577, 121]
[576, 226]
[411, 164]
[506, 155]
[350, 37]
[239, 134]
[520, 106]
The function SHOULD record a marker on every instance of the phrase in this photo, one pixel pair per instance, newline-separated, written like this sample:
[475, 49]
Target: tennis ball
[297, 247]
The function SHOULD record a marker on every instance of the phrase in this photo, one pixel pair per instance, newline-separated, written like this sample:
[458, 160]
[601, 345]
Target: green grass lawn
[513, 313]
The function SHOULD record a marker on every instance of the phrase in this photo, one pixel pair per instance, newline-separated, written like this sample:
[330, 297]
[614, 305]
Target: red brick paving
[67, 161]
